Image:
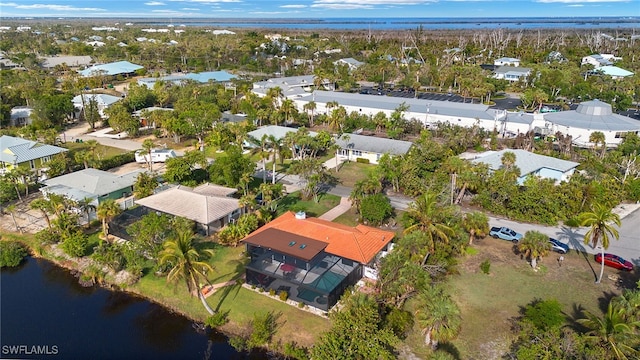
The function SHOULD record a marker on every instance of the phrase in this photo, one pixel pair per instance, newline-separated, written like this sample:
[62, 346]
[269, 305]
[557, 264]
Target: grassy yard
[488, 303]
[241, 303]
[102, 151]
[293, 202]
[352, 172]
[350, 218]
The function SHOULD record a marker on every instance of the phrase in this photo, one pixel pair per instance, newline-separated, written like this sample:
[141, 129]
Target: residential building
[278, 132]
[507, 61]
[96, 185]
[210, 206]
[511, 73]
[291, 86]
[351, 63]
[20, 116]
[371, 148]
[202, 78]
[530, 164]
[314, 260]
[25, 153]
[71, 61]
[103, 101]
[111, 69]
[613, 71]
[598, 60]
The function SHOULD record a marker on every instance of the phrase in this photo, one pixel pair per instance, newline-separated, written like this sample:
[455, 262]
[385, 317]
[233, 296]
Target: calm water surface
[43, 305]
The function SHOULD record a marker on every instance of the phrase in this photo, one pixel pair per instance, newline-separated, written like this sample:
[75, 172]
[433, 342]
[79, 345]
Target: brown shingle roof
[361, 243]
[287, 243]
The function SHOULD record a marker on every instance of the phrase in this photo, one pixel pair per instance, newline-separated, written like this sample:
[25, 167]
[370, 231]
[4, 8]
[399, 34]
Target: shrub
[284, 295]
[76, 244]
[218, 319]
[362, 160]
[272, 292]
[47, 236]
[301, 304]
[375, 208]
[485, 266]
[115, 161]
[11, 253]
[545, 314]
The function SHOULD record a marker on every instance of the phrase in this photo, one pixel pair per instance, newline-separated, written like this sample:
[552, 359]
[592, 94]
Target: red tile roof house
[314, 260]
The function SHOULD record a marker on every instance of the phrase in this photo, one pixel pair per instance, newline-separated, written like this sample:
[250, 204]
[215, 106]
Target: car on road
[558, 246]
[614, 261]
[505, 233]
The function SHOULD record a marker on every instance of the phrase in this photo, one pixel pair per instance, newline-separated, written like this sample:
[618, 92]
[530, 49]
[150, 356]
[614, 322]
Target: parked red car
[614, 261]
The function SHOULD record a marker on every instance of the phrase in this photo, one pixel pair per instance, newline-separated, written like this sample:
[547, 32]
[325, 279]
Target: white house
[511, 73]
[354, 146]
[291, 86]
[20, 116]
[103, 101]
[613, 71]
[530, 164]
[598, 60]
[351, 63]
[507, 61]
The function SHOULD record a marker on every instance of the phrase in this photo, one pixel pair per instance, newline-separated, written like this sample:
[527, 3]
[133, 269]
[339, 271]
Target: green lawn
[293, 202]
[352, 172]
[489, 302]
[102, 151]
[296, 325]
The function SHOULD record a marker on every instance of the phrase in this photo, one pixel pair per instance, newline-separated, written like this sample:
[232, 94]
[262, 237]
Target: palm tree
[438, 316]
[600, 220]
[11, 209]
[276, 147]
[310, 108]
[535, 245]
[184, 259]
[337, 118]
[613, 331]
[106, 211]
[476, 224]
[597, 137]
[44, 206]
[508, 160]
[423, 214]
[261, 148]
[147, 146]
[86, 206]
[287, 108]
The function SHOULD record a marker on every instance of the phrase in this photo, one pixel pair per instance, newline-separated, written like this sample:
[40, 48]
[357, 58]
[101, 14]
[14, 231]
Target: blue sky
[317, 8]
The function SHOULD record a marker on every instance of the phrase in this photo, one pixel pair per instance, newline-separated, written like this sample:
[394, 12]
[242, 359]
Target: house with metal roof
[351, 63]
[203, 78]
[507, 61]
[94, 184]
[291, 86]
[530, 164]
[111, 69]
[313, 260]
[25, 153]
[511, 73]
[613, 71]
[103, 101]
[598, 60]
[589, 117]
[210, 206]
[278, 132]
[355, 146]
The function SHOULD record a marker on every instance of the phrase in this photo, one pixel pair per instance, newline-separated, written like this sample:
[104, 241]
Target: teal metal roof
[115, 68]
[614, 71]
[18, 150]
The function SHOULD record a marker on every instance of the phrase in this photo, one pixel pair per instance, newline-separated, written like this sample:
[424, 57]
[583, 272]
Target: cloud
[576, 5]
[52, 7]
[293, 6]
[154, 3]
[190, 9]
[364, 4]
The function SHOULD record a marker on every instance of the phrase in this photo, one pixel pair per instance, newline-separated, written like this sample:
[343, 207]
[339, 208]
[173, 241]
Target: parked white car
[157, 155]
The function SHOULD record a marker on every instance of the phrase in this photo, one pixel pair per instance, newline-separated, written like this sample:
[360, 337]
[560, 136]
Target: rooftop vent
[301, 215]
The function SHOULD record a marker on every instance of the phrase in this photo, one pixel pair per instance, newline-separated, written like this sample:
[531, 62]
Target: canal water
[46, 314]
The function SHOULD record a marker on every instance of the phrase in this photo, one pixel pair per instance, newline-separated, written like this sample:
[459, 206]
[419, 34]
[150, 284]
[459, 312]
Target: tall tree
[423, 214]
[476, 224]
[438, 316]
[186, 263]
[600, 221]
[147, 146]
[614, 332]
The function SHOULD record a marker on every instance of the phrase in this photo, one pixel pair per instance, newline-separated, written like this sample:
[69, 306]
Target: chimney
[301, 215]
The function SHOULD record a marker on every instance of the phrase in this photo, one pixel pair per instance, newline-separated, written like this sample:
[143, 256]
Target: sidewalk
[343, 207]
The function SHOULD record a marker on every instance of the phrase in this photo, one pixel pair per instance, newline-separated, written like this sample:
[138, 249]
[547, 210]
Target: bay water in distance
[45, 311]
[631, 22]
